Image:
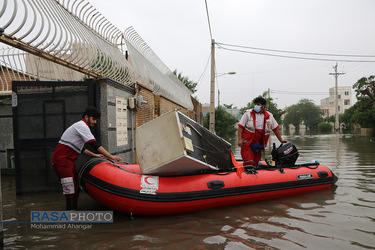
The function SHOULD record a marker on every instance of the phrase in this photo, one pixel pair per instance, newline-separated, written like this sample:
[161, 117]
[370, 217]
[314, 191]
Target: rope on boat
[248, 169]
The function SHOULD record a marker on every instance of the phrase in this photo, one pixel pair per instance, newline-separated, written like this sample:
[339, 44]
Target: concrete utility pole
[212, 96]
[336, 98]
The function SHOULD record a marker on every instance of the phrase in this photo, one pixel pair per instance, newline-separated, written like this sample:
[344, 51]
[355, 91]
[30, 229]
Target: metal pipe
[12, 17]
[23, 21]
[3, 8]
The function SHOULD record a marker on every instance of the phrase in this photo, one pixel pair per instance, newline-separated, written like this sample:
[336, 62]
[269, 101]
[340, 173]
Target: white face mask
[257, 108]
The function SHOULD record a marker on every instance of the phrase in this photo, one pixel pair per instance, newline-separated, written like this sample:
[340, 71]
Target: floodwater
[343, 218]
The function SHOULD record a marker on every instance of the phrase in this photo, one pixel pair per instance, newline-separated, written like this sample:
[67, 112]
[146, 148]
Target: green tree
[229, 106]
[325, 127]
[363, 111]
[311, 114]
[271, 106]
[224, 123]
[365, 90]
[293, 116]
[185, 80]
[304, 111]
[330, 119]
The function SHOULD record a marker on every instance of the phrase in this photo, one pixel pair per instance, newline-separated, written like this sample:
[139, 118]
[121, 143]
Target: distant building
[235, 111]
[327, 105]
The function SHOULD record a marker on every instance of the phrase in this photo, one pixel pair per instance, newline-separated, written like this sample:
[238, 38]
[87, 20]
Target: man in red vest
[254, 130]
[68, 149]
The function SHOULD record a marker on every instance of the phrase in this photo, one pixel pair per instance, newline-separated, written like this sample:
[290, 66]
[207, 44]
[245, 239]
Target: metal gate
[41, 113]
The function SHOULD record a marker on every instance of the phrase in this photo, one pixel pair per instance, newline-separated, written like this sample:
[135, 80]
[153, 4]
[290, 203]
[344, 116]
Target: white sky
[177, 31]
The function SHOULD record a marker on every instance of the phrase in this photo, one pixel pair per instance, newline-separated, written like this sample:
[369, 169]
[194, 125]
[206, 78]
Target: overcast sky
[178, 32]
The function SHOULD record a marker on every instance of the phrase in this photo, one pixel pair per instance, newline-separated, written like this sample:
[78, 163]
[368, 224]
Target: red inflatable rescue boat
[124, 188]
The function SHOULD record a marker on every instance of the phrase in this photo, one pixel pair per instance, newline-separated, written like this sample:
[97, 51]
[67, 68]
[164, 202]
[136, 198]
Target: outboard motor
[285, 154]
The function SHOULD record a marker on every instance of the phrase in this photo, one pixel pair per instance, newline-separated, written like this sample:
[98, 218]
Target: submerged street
[336, 219]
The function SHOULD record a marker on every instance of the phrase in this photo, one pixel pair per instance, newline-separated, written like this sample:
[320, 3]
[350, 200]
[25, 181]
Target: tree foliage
[229, 106]
[304, 111]
[365, 90]
[271, 106]
[325, 127]
[224, 123]
[293, 116]
[363, 112]
[185, 80]
[331, 118]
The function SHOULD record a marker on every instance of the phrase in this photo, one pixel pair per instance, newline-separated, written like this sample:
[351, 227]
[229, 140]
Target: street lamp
[228, 73]
[218, 90]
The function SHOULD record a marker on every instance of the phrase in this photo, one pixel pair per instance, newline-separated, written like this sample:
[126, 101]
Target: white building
[344, 101]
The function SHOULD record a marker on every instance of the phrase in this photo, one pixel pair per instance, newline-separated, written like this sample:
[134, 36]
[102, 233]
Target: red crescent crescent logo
[149, 183]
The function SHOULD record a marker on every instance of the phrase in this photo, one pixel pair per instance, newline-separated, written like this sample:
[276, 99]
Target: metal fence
[71, 33]
[55, 39]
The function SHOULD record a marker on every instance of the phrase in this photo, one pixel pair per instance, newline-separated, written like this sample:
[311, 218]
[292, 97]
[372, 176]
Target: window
[346, 102]
[346, 92]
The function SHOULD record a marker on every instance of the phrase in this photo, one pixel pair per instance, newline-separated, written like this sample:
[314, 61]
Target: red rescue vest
[249, 129]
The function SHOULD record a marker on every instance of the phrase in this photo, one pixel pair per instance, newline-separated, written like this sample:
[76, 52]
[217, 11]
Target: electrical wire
[204, 71]
[293, 52]
[208, 19]
[297, 92]
[220, 46]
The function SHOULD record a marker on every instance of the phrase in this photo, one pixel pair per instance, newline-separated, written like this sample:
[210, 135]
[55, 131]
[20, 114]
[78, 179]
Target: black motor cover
[285, 154]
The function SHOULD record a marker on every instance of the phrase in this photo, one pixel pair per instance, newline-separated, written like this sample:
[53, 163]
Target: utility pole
[212, 96]
[336, 98]
[218, 98]
[268, 103]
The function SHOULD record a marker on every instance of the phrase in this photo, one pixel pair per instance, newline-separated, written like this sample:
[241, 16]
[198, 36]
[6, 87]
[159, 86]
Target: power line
[294, 52]
[204, 71]
[220, 46]
[282, 92]
[297, 92]
[208, 19]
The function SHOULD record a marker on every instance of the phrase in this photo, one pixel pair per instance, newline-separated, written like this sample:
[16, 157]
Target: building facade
[344, 101]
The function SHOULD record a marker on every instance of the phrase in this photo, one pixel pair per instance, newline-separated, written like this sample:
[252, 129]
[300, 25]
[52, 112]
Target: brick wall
[145, 113]
[163, 105]
[8, 75]
[158, 105]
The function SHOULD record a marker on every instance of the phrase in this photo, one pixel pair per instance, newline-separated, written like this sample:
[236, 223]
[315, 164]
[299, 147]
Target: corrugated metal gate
[41, 113]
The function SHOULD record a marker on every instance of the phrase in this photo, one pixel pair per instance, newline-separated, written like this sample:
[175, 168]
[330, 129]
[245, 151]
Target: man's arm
[91, 154]
[108, 155]
[239, 134]
[95, 145]
[278, 135]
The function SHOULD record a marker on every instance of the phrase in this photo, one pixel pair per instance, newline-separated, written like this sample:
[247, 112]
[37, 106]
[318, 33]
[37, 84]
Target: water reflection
[270, 224]
[330, 149]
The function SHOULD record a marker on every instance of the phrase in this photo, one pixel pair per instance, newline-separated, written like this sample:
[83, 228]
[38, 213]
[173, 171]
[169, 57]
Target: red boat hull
[123, 188]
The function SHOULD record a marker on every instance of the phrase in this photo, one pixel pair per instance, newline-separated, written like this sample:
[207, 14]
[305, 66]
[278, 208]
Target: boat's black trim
[204, 194]
[85, 176]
